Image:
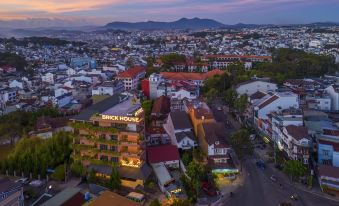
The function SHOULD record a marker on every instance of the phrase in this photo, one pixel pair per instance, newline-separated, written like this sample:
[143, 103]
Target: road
[259, 189]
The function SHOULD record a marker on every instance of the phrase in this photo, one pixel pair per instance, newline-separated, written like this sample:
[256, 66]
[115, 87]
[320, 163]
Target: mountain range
[183, 23]
[36, 26]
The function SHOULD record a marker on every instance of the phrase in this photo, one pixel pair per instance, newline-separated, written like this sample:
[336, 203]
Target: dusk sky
[225, 11]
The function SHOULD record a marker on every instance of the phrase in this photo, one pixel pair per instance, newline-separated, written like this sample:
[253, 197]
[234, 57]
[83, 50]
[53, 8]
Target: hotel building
[111, 133]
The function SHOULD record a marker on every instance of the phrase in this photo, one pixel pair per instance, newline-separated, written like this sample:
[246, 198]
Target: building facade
[111, 132]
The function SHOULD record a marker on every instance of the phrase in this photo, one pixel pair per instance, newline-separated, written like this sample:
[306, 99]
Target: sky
[225, 11]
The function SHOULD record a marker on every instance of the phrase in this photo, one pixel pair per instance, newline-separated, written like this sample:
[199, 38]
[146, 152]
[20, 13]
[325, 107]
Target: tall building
[111, 132]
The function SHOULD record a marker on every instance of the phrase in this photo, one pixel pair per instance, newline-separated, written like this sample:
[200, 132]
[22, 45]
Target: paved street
[260, 190]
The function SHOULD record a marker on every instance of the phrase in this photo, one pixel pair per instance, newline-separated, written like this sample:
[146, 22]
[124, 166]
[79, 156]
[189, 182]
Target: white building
[278, 101]
[180, 130]
[48, 78]
[132, 77]
[16, 84]
[109, 88]
[297, 143]
[251, 87]
[333, 91]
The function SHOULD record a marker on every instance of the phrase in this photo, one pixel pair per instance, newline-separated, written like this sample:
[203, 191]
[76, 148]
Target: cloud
[65, 6]
[136, 10]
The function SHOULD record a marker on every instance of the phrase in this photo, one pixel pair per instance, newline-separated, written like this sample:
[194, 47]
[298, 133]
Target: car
[208, 189]
[294, 197]
[23, 181]
[36, 183]
[273, 178]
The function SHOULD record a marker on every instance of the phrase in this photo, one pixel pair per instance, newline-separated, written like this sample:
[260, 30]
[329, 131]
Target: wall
[255, 86]
[321, 156]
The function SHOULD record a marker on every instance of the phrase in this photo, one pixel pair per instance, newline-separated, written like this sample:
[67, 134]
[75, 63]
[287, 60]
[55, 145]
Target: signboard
[120, 118]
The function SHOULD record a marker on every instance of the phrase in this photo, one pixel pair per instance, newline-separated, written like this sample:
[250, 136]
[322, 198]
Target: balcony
[128, 143]
[107, 152]
[132, 154]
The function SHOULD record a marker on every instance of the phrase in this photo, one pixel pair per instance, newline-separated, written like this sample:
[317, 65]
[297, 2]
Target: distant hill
[183, 23]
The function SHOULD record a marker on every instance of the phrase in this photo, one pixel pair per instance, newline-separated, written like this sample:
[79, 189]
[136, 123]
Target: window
[115, 159]
[114, 137]
[113, 148]
[104, 158]
[326, 152]
[103, 147]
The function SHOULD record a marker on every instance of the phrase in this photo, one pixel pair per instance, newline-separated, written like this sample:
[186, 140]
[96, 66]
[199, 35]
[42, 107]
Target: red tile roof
[132, 72]
[238, 56]
[162, 105]
[297, 132]
[179, 76]
[162, 153]
[328, 171]
[268, 101]
[331, 132]
[335, 145]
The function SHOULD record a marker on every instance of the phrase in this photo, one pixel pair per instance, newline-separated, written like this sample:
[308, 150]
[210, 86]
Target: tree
[241, 143]
[34, 155]
[241, 103]
[230, 97]
[170, 59]
[147, 107]
[197, 173]
[77, 169]
[129, 63]
[59, 173]
[186, 158]
[92, 178]
[294, 169]
[114, 180]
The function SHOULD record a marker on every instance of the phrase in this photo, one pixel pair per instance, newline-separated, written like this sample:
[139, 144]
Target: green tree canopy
[114, 180]
[34, 155]
[13, 60]
[294, 169]
[170, 59]
[241, 143]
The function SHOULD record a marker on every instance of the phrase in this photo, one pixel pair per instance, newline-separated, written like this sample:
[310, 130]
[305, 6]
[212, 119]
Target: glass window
[114, 137]
[104, 157]
[115, 159]
[103, 147]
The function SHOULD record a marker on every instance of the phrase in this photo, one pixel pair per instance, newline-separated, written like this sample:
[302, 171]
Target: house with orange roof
[197, 78]
[132, 77]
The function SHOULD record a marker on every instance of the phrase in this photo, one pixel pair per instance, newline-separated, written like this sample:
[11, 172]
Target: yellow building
[199, 113]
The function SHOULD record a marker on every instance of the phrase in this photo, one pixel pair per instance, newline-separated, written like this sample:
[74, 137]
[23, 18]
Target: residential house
[278, 101]
[132, 77]
[253, 86]
[48, 78]
[212, 140]
[160, 110]
[297, 143]
[47, 126]
[179, 128]
[109, 88]
[328, 178]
